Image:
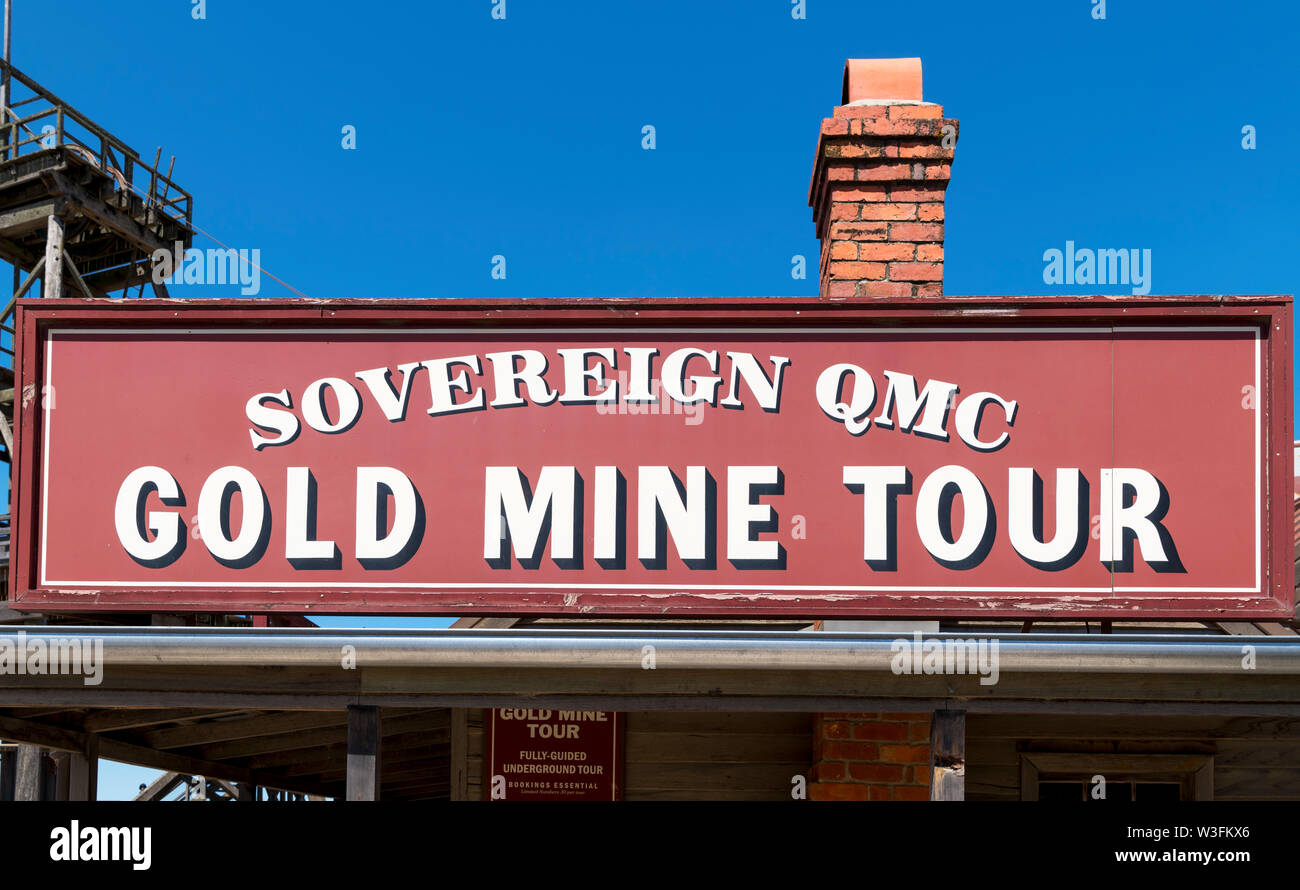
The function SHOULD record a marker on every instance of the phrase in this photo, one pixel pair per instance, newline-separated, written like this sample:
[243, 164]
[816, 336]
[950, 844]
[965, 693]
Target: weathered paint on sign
[788, 459]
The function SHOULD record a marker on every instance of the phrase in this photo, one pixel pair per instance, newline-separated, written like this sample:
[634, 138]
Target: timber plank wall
[695, 755]
[692, 755]
[1255, 758]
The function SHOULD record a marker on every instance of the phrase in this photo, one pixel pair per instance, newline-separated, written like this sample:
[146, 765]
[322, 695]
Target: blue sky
[522, 137]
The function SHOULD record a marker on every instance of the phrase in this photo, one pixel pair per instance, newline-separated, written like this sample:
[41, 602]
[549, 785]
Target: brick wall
[871, 756]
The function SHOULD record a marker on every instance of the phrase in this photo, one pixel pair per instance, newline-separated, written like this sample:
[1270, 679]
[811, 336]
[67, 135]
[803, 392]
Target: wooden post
[8, 771]
[83, 771]
[948, 755]
[363, 752]
[4, 88]
[30, 777]
[459, 754]
[54, 258]
[62, 774]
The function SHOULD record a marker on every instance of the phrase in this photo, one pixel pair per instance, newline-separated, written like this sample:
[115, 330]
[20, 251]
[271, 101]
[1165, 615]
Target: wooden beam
[76, 276]
[29, 218]
[119, 221]
[24, 288]
[116, 719]
[397, 749]
[948, 755]
[161, 786]
[15, 254]
[363, 753]
[29, 732]
[210, 732]
[809, 700]
[334, 733]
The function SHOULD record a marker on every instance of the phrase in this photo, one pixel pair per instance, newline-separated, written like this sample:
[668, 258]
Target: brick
[916, 193]
[880, 792]
[885, 289]
[873, 271]
[884, 172]
[930, 289]
[850, 751]
[854, 150]
[910, 792]
[835, 729]
[919, 732]
[876, 772]
[860, 192]
[836, 791]
[834, 127]
[924, 150]
[905, 753]
[887, 211]
[915, 129]
[915, 271]
[928, 212]
[861, 231]
[938, 171]
[829, 771]
[904, 231]
[841, 172]
[842, 210]
[869, 127]
[886, 251]
[847, 250]
[904, 112]
[883, 732]
[854, 111]
[840, 289]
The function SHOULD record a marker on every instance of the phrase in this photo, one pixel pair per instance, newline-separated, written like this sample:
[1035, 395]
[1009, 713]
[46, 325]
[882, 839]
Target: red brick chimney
[883, 163]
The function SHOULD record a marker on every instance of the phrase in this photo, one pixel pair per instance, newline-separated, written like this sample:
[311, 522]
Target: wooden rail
[68, 128]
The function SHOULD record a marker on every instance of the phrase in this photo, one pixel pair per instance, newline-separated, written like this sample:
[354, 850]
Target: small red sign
[545, 754]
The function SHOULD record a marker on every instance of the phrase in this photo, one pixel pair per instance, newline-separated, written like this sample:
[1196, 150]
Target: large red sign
[950, 457]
